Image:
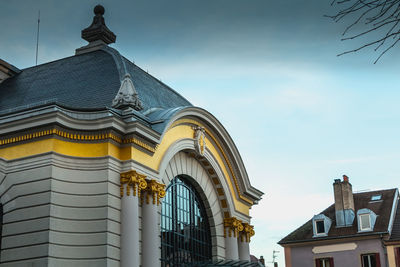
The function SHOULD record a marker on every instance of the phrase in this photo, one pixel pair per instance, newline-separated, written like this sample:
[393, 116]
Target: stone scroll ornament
[134, 181]
[154, 189]
[234, 225]
[199, 139]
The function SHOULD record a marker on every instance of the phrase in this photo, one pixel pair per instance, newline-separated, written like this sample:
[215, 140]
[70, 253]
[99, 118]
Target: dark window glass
[320, 227]
[369, 260]
[326, 262]
[185, 231]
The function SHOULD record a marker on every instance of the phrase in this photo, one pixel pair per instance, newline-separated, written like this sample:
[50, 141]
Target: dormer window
[321, 225]
[366, 220]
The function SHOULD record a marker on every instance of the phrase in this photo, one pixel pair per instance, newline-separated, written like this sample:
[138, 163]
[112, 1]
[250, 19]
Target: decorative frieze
[154, 189]
[234, 225]
[73, 136]
[134, 180]
[247, 233]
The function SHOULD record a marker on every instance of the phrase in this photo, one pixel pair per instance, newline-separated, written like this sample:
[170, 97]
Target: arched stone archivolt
[184, 163]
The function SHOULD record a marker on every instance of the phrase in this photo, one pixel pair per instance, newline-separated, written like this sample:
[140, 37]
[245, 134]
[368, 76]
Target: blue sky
[299, 115]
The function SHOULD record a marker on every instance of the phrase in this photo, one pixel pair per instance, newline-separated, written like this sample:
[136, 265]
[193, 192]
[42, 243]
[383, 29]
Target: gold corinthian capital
[234, 225]
[154, 189]
[248, 232]
[132, 179]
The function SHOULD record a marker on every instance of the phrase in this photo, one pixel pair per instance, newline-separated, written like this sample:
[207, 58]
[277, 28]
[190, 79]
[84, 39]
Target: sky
[299, 115]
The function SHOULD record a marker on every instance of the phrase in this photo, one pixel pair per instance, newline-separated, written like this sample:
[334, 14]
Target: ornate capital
[232, 225]
[132, 179]
[154, 189]
[199, 139]
[248, 231]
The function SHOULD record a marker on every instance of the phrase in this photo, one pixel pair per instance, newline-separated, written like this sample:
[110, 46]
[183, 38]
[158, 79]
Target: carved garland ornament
[132, 179]
[154, 189]
[232, 225]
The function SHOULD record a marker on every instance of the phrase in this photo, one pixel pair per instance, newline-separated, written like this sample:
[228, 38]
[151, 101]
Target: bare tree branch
[380, 17]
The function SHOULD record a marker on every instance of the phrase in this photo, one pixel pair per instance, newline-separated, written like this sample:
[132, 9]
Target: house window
[370, 260]
[325, 262]
[320, 226]
[365, 222]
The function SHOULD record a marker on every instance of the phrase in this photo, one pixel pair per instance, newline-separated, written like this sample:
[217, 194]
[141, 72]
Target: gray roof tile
[87, 81]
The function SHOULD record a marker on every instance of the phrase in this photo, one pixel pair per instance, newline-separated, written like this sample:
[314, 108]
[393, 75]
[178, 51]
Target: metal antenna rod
[37, 37]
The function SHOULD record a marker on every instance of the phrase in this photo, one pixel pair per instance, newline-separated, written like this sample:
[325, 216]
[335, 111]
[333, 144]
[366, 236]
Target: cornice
[77, 120]
[79, 136]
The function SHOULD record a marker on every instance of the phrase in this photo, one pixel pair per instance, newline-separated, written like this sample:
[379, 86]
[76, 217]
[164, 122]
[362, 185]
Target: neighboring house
[102, 164]
[350, 233]
[393, 244]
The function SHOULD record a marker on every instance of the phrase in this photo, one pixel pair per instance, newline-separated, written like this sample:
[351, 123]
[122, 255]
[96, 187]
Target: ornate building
[102, 164]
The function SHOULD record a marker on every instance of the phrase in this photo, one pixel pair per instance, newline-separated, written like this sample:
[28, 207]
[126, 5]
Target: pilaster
[135, 182]
[151, 242]
[232, 227]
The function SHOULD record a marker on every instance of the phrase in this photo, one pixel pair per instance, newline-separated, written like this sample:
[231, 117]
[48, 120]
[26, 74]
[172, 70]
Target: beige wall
[288, 259]
[391, 255]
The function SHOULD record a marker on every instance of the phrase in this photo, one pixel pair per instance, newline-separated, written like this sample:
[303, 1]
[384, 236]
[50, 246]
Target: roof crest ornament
[127, 97]
[97, 34]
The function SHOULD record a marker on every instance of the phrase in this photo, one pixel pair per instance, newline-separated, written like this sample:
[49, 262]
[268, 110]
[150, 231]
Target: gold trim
[190, 121]
[76, 136]
[232, 224]
[248, 232]
[132, 179]
[155, 189]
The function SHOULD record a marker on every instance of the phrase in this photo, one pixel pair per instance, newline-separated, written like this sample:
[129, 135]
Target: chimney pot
[345, 178]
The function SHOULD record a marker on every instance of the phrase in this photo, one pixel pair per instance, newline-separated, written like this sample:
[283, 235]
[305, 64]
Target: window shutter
[378, 260]
[317, 263]
[331, 262]
[397, 256]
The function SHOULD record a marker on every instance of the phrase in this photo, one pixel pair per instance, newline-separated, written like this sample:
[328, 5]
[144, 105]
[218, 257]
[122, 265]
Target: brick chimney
[344, 202]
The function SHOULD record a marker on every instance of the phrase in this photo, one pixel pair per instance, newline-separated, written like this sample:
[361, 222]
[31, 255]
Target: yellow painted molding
[191, 121]
[108, 144]
[74, 136]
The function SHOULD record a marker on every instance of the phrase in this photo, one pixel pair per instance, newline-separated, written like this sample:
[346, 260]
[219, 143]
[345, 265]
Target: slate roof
[381, 208]
[86, 81]
[395, 235]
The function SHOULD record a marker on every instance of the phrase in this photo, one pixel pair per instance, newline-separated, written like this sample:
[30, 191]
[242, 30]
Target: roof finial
[98, 30]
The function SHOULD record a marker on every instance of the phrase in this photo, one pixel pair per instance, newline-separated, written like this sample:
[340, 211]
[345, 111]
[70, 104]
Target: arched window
[185, 231]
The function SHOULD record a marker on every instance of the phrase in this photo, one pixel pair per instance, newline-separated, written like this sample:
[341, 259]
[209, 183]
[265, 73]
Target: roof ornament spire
[97, 34]
[127, 97]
